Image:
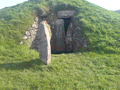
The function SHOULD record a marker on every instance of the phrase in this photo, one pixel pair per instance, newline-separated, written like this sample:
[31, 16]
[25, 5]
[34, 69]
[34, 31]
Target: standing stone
[44, 46]
[58, 35]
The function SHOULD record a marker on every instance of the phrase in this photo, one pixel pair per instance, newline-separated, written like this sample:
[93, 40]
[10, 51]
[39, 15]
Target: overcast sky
[8, 3]
[107, 4]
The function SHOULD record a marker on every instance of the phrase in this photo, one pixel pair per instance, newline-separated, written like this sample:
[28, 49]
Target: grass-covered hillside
[101, 27]
[97, 67]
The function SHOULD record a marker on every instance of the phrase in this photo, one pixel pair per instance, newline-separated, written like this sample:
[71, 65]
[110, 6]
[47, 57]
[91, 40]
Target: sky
[8, 3]
[107, 4]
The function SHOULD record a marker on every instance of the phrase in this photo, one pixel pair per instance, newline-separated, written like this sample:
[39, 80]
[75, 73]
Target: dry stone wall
[30, 34]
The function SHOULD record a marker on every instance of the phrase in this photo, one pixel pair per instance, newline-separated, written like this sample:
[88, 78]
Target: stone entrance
[66, 37]
[59, 29]
[66, 24]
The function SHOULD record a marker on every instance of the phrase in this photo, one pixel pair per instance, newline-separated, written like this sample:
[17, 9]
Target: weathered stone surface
[36, 19]
[30, 34]
[69, 38]
[33, 32]
[35, 25]
[77, 40]
[84, 43]
[21, 42]
[74, 40]
[33, 37]
[58, 35]
[24, 37]
[44, 46]
[27, 33]
[65, 14]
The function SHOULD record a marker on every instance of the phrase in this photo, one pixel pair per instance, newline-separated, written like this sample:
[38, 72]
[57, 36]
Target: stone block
[65, 14]
[58, 35]
[44, 46]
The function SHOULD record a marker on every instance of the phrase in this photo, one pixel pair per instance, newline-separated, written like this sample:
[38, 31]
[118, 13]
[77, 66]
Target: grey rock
[33, 37]
[44, 46]
[84, 43]
[24, 37]
[31, 28]
[58, 35]
[21, 42]
[65, 14]
[35, 25]
[36, 19]
[33, 32]
[27, 33]
[68, 38]
[74, 39]
[30, 35]
[77, 39]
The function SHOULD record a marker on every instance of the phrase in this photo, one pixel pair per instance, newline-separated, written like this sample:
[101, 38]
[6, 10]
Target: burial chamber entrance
[65, 35]
[62, 39]
[66, 24]
[60, 30]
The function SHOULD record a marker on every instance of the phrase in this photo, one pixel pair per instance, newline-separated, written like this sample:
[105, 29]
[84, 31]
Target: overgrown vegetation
[99, 69]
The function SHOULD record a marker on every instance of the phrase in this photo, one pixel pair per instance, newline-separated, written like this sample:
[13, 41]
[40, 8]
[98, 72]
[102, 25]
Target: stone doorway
[66, 37]
[59, 30]
[66, 24]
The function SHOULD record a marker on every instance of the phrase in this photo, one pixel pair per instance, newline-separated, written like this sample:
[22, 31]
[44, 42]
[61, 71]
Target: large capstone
[65, 14]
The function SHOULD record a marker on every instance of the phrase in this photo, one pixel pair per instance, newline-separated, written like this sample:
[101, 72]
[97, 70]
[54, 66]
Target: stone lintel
[65, 14]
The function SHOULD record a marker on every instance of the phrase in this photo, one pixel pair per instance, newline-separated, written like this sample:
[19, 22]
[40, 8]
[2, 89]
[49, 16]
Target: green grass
[98, 69]
[75, 71]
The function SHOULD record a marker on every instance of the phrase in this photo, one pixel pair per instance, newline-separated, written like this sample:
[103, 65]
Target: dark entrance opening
[66, 26]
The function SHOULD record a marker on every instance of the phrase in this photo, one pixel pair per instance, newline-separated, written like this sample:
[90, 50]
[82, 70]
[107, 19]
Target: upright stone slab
[44, 46]
[58, 35]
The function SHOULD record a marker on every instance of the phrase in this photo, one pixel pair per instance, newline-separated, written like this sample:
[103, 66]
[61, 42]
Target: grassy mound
[100, 27]
[21, 69]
